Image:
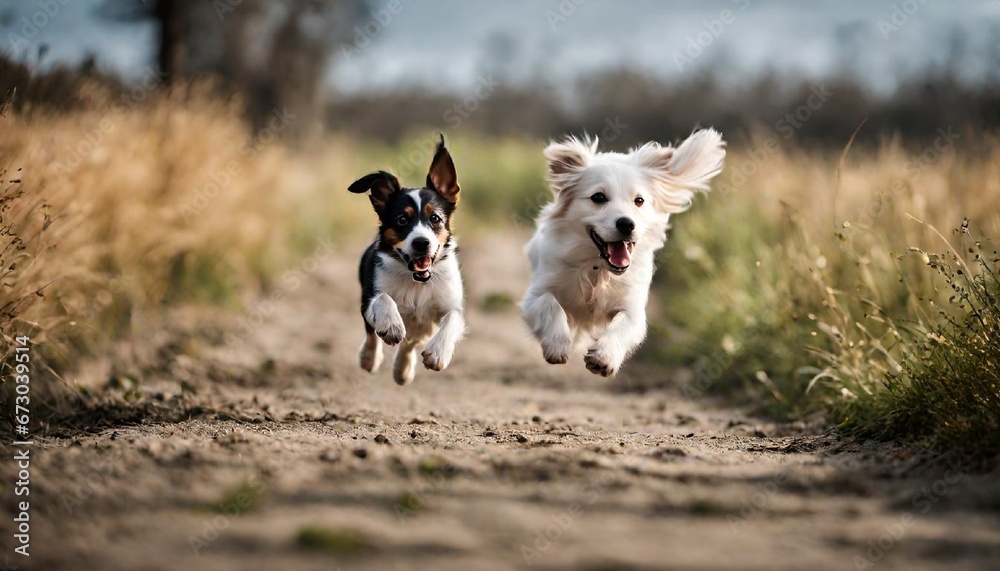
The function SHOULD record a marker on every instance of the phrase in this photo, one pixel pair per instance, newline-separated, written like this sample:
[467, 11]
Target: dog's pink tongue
[618, 254]
[422, 264]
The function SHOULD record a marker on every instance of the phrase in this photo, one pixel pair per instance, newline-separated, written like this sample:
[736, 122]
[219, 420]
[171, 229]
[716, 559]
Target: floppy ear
[679, 172]
[442, 177]
[381, 184]
[567, 158]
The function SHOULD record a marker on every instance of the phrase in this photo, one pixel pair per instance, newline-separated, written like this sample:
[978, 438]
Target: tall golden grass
[117, 210]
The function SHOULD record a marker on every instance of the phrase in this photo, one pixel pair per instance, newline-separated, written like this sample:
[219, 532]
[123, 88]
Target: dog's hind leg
[370, 356]
[549, 324]
[405, 366]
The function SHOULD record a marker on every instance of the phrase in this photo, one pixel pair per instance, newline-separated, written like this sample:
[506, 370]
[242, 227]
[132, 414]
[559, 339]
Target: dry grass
[799, 290]
[116, 211]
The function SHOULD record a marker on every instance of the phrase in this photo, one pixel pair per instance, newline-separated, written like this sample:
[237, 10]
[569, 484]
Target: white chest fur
[421, 305]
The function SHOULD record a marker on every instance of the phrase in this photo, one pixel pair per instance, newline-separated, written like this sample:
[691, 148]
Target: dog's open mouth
[618, 254]
[421, 268]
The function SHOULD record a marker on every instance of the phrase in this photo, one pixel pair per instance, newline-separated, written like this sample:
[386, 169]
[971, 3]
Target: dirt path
[277, 452]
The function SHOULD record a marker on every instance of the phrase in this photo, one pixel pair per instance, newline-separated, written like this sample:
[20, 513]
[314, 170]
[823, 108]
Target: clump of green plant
[944, 389]
[409, 503]
[336, 541]
[435, 467]
[497, 301]
[242, 497]
[736, 312]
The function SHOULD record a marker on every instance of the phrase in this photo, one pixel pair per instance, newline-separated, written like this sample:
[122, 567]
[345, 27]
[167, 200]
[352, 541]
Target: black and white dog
[411, 287]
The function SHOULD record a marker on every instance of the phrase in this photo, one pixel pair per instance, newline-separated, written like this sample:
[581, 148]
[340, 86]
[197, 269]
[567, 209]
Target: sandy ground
[265, 447]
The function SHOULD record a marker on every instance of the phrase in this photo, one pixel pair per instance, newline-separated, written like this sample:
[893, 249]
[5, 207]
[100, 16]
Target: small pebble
[381, 439]
[360, 452]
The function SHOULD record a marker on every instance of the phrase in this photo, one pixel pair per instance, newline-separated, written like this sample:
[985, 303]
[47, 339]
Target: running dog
[592, 254]
[411, 287]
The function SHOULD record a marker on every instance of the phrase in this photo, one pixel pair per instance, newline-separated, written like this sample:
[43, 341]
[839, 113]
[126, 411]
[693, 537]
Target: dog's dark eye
[599, 198]
[402, 220]
[435, 219]
[639, 201]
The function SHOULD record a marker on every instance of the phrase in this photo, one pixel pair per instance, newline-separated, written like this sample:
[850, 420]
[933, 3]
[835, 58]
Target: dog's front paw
[556, 353]
[436, 360]
[556, 349]
[392, 331]
[599, 363]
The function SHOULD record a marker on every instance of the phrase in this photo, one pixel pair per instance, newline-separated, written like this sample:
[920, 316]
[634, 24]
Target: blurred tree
[276, 54]
[171, 28]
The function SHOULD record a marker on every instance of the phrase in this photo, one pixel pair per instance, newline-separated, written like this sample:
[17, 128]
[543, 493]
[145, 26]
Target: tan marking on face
[409, 211]
[390, 237]
[428, 209]
[442, 235]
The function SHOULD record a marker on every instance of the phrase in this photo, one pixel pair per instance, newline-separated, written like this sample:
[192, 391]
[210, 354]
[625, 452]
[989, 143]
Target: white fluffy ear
[680, 172]
[567, 158]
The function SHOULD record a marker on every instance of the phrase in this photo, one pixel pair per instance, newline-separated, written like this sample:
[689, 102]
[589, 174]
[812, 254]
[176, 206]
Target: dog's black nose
[421, 244]
[625, 226]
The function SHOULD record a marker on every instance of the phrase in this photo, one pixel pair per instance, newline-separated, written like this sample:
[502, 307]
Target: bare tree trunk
[172, 54]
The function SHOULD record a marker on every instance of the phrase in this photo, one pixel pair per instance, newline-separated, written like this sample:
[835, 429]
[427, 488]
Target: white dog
[592, 255]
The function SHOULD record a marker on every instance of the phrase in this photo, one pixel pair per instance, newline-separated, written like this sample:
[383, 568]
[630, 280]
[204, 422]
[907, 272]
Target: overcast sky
[450, 43]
